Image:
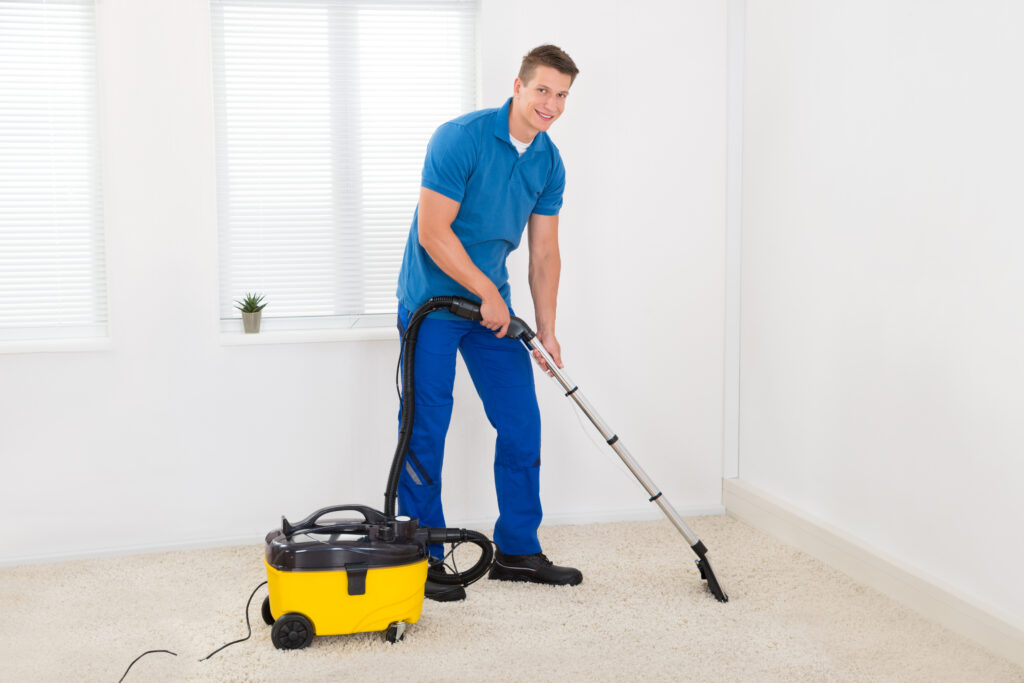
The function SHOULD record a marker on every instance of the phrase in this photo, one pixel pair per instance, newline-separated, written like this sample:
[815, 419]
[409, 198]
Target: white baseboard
[126, 550]
[648, 513]
[923, 594]
[639, 514]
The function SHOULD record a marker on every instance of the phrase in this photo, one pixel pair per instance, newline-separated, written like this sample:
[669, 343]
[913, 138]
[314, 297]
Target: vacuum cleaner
[338, 576]
[332, 577]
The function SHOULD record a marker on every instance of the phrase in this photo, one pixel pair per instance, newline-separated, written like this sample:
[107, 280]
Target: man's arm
[545, 269]
[436, 215]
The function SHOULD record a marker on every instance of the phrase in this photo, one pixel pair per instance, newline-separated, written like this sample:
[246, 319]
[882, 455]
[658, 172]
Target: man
[487, 176]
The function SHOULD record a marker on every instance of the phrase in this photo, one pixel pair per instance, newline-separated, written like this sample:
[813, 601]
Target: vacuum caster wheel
[395, 632]
[292, 631]
[267, 616]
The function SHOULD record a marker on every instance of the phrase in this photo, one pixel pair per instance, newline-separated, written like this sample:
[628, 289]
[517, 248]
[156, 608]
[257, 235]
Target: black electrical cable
[454, 567]
[398, 371]
[147, 652]
[248, 625]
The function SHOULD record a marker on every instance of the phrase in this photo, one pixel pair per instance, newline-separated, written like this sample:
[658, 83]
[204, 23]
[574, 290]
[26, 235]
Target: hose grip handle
[470, 310]
[464, 308]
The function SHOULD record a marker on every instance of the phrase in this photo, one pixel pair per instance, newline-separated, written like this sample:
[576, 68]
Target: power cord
[454, 567]
[248, 625]
[398, 370]
[600, 447]
[147, 652]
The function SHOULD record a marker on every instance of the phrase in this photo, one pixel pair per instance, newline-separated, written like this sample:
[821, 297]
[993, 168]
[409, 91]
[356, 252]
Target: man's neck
[517, 129]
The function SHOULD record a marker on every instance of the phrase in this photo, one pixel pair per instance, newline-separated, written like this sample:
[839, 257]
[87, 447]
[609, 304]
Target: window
[324, 109]
[52, 275]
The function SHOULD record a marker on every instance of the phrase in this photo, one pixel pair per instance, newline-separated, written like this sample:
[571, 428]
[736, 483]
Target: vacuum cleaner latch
[356, 578]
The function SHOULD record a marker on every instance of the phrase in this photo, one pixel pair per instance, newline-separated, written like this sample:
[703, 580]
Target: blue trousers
[502, 372]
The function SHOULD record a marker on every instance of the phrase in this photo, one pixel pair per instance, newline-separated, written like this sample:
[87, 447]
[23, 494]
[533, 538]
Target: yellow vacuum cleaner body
[333, 578]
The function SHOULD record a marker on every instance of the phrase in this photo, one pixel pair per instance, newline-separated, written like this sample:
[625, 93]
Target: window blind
[324, 109]
[52, 275]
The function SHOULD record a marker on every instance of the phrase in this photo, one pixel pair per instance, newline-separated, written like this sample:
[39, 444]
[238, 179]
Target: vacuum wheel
[267, 616]
[395, 632]
[292, 631]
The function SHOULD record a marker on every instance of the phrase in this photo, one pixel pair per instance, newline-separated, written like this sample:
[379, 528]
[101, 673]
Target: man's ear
[516, 85]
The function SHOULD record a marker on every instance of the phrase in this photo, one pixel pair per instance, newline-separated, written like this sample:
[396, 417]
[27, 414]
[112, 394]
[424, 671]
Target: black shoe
[439, 591]
[536, 568]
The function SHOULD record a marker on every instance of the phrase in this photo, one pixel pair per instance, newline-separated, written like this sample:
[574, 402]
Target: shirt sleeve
[550, 200]
[449, 161]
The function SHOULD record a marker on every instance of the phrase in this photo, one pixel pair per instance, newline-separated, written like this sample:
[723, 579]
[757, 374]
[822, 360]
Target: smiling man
[488, 176]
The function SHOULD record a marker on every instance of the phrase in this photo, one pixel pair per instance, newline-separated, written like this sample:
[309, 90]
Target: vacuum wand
[518, 329]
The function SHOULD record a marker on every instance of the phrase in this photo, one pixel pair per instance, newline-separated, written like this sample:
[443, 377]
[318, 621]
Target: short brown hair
[547, 55]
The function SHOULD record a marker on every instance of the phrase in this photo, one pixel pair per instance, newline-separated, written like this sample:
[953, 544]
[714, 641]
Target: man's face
[539, 103]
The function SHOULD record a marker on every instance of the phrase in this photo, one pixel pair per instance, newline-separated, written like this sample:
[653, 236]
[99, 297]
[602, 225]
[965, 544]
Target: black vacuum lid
[313, 550]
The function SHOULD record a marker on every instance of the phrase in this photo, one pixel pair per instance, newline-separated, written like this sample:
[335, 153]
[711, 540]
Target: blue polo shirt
[472, 160]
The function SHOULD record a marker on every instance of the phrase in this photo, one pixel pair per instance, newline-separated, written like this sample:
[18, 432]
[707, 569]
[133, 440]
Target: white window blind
[324, 109]
[52, 278]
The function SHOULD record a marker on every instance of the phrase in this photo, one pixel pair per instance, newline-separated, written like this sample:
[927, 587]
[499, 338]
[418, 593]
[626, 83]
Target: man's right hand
[495, 315]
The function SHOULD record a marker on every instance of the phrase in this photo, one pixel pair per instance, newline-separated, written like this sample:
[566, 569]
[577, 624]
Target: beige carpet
[642, 613]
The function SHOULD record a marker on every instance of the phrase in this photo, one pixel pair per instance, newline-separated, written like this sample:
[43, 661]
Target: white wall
[882, 322]
[170, 438]
[641, 310]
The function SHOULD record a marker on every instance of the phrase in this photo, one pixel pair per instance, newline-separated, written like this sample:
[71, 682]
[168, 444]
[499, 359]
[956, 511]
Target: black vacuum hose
[464, 308]
[471, 311]
[408, 404]
[482, 564]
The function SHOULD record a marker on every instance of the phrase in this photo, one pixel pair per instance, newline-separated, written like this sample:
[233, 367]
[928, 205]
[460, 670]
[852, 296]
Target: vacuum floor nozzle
[708, 575]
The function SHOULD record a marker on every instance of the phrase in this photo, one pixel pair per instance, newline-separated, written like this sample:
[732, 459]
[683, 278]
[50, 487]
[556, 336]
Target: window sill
[308, 336]
[56, 345]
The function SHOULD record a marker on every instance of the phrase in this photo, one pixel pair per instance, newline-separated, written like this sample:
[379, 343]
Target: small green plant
[251, 303]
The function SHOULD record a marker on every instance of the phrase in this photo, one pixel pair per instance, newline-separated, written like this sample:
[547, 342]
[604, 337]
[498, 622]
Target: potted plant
[251, 307]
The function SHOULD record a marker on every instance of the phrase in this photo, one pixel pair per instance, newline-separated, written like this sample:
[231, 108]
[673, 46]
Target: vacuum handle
[370, 516]
[341, 528]
[470, 310]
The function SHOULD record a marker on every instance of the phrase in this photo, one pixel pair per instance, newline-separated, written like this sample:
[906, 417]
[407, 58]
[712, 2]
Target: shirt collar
[501, 126]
